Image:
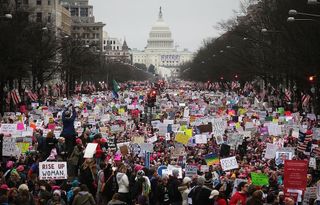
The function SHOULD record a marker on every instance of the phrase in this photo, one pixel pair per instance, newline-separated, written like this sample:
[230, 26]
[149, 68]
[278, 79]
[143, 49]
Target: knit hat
[213, 194]
[75, 183]
[23, 187]
[4, 187]
[10, 164]
[57, 192]
[78, 141]
[20, 168]
[186, 180]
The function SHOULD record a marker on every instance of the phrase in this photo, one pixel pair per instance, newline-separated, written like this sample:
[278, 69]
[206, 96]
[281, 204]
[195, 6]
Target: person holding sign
[68, 131]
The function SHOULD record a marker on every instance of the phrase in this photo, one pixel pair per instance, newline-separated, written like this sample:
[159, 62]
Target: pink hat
[78, 141]
[55, 187]
[20, 168]
[4, 187]
[103, 140]
[117, 157]
[10, 164]
[138, 167]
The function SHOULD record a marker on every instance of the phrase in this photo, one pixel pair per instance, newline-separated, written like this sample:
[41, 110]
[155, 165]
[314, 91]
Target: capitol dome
[160, 36]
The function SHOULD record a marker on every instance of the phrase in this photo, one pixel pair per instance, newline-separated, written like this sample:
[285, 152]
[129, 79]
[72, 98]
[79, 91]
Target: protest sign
[90, 150]
[160, 168]
[138, 139]
[229, 163]
[218, 127]
[172, 167]
[191, 170]
[182, 138]
[201, 139]
[53, 170]
[270, 151]
[111, 141]
[310, 193]
[9, 146]
[146, 147]
[147, 160]
[8, 128]
[295, 172]
[23, 146]
[282, 156]
[259, 179]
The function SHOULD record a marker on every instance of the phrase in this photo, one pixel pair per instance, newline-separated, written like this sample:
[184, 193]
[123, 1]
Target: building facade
[50, 12]
[84, 26]
[160, 50]
[117, 51]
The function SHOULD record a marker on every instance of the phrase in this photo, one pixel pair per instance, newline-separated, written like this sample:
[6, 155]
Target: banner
[259, 179]
[295, 174]
[191, 170]
[53, 170]
[229, 163]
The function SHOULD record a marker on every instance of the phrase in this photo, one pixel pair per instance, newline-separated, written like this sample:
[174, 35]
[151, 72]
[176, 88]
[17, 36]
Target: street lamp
[7, 16]
[292, 19]
[293, 12]
[221, 51]
[313, 2]
[264, 30]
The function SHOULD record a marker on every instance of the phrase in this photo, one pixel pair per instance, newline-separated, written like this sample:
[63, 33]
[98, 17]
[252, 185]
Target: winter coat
[123, 183]
[68, 124]
[238, 197]
[83, 198]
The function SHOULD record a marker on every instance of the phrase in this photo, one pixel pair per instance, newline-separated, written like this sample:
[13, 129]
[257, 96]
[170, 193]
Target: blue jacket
[68, 124]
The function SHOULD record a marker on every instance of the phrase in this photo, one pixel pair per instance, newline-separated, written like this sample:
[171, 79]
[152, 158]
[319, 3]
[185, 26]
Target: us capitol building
[160, 50]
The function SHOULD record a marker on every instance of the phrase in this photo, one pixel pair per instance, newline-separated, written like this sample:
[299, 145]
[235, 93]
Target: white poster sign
[271, 151]
[9, 146]
[8, 128]
[201, 139]
[229, 163]
[191, 170]
[53, 170]
[90, 150]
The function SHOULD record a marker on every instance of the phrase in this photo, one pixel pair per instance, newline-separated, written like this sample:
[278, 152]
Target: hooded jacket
[123, 182]
[83, 198]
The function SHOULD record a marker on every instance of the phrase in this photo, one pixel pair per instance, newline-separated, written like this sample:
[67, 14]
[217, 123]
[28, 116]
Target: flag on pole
[115, 89]
[15, 96]
[212, 159]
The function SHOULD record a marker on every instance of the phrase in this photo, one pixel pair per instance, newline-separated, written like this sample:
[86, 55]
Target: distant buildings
[83, 24]
[160, 50]
[49, 12]
[117, 51]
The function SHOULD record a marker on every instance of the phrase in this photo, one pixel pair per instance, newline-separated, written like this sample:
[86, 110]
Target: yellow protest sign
[23, 146]
[182, 138]
[183, 128]
[189, 132]
[242, 111]
[121, 111]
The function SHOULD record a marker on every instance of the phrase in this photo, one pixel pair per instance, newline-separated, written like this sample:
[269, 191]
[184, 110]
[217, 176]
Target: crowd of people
[190, 146]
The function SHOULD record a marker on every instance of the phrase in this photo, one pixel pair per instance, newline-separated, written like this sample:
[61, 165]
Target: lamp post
[294, 12]
[7, 16]
[292, 19]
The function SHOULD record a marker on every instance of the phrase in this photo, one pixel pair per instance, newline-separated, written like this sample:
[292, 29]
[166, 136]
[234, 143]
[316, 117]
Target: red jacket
[238, 197]
[221, 201]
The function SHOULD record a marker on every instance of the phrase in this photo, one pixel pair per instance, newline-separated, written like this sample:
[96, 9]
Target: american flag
[15, 96]
[305, 145]
[305, 100]
[287, 95]
[31, 95]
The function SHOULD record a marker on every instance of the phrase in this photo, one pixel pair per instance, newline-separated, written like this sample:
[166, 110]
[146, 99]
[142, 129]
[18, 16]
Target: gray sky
[190, 21]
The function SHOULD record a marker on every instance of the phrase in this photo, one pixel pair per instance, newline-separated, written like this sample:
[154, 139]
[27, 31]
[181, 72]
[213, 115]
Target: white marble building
[160, 50]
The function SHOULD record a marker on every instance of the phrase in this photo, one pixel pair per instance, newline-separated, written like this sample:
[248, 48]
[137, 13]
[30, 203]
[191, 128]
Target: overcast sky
[190, 21]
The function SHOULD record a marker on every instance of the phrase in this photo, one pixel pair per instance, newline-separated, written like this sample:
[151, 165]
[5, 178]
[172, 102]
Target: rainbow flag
[212, 159]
